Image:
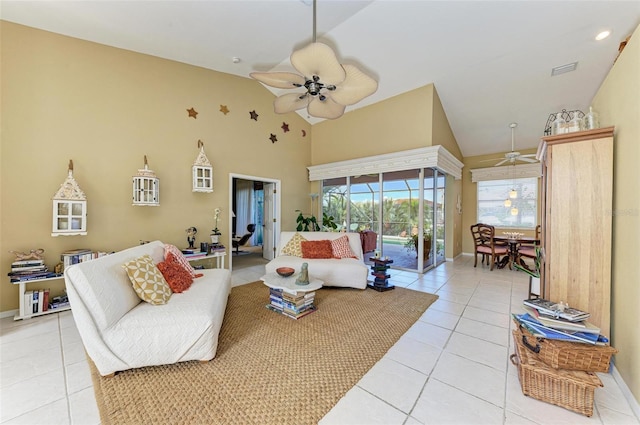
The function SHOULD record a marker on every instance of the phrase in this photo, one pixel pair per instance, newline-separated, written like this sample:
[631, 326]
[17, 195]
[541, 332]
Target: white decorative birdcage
[69, 208]
[146, 187]
[202, 172]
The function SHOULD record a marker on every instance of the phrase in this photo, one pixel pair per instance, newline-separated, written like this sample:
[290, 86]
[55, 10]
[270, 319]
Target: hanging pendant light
[507, 202]
[513, 194]
[329, 86]
[514, 211]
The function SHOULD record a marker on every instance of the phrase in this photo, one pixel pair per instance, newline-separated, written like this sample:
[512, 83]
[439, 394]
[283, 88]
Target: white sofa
[120, 332]
[344, 272]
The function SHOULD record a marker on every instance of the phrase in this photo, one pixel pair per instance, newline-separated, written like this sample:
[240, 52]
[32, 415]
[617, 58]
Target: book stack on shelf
[558, 353]
[193, 253]
[216, 247]
[291, 304]
[36, 301]
[75, 256]
[27, 270]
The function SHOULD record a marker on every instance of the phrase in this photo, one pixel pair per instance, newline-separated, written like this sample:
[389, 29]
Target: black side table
[380, 269]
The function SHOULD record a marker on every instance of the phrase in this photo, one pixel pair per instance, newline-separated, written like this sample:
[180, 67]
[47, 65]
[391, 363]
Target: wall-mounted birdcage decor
[69, 208]
[202, 172]
[146, 187]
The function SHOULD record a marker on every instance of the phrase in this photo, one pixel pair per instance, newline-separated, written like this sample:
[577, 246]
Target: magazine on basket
[558, 310]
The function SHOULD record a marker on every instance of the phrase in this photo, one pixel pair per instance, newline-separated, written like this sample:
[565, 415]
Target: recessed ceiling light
[564, 68]
[603, 35]
[236, 59]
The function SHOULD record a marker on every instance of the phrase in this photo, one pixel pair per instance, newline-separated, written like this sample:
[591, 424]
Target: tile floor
[452, 366]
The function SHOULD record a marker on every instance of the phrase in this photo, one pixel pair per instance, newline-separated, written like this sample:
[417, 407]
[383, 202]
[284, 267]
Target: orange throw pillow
[174, 273]
[316, 249]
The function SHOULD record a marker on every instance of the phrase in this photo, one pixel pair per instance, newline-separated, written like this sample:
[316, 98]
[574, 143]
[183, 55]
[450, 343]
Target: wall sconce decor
[202, 172]
[69, 208]
[146, 187]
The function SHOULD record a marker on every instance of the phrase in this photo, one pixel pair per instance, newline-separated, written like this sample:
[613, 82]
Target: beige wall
[618, 103]
[105, 108]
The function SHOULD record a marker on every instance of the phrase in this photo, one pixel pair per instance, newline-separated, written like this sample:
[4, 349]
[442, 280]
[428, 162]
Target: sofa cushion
[174, 273]
[316, 249]
[293, 247]
[147, 280]
[341, 248]
[168, 248]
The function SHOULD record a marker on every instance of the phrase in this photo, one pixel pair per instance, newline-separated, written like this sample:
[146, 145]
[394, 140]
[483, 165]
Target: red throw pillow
[177, 277]
[341, 248]
[316, 249]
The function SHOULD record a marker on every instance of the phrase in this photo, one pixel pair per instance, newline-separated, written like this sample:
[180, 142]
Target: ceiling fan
[513, 156]
[328, 85]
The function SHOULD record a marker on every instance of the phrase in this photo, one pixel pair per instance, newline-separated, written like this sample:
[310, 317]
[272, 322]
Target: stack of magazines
[549, 320]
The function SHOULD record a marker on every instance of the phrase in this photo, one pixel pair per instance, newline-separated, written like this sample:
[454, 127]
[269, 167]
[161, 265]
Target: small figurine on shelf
[191, 236]
[303, 277]
[34, 254]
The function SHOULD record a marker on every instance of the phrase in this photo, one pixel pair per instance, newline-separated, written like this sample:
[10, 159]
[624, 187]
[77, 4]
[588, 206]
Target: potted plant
[215, 233]
[411, 244]
[307, 224]
[534, 273]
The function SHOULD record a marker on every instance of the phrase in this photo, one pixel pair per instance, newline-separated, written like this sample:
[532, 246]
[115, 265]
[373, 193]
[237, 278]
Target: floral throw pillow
[147, 280]
[316, 249]
[182, 260]
[341, 248]
[293, 246]
[177, 277]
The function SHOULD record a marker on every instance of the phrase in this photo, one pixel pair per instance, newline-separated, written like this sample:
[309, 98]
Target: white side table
[218, 255]
[288, 284]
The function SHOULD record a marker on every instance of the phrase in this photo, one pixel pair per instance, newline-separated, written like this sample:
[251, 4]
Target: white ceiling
[490, 61]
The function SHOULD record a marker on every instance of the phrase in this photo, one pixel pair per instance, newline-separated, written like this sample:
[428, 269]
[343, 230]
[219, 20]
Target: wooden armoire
[577, 210]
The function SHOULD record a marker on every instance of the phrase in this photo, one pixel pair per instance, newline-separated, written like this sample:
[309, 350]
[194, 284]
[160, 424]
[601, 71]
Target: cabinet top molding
[596, 133]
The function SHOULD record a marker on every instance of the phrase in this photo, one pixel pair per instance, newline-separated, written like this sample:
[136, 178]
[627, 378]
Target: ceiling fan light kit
[329, 86]
[513, 156]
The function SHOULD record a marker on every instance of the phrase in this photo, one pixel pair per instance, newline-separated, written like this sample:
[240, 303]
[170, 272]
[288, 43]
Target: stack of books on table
[294, 305]
[549, 320]
[27, 270]
[75, 256]
[193, 253]
[216, 247]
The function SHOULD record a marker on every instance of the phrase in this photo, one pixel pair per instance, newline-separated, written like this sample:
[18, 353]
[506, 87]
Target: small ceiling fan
[513, 156]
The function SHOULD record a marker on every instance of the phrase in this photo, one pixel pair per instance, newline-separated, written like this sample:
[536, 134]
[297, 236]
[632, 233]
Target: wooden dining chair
[485, 245]
[528, 250]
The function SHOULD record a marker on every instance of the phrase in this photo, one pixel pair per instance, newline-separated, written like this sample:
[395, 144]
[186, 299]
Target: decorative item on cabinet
[202, 172]
[146, 187]
[69, 208]
[561, 122]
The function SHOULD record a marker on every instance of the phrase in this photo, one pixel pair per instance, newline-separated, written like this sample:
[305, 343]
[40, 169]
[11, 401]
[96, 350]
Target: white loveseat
[120, 332]
[344, 272]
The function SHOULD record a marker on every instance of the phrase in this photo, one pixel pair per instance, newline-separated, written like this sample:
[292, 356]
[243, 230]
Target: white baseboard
[628, 395]
[9, 313]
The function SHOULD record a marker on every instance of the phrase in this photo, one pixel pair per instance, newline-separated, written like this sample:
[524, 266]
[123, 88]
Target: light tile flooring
[452, 366]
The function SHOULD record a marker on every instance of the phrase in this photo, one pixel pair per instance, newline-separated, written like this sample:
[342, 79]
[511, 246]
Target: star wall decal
[285, 127]
[224, 109]
[254, 115]
[273, 138]
[192, 113]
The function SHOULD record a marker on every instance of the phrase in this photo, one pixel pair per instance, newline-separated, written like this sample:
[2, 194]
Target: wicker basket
[568, 355]
[571, 389]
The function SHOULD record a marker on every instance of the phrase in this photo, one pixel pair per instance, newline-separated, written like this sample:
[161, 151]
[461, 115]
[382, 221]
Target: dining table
[513, 242]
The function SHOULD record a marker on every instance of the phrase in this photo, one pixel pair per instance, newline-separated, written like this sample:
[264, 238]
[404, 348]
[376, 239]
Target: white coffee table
[290, 299]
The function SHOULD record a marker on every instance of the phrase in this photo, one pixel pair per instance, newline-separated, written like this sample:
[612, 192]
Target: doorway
[253, 200]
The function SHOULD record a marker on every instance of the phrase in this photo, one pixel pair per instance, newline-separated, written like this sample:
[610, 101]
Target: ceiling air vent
[562, 69]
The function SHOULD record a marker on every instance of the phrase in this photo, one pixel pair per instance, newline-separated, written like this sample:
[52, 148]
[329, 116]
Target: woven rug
[269, 369]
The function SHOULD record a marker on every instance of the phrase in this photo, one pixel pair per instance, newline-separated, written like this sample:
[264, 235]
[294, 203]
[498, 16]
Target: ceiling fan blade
[318, 59]
[490, 160]
[524, 159]
[502, 162]
[281, 80]
[355, 87]
[290, 102]
[325, 108]
[529, 155]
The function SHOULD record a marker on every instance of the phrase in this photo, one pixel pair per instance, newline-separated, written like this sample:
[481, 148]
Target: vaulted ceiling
[490, 61]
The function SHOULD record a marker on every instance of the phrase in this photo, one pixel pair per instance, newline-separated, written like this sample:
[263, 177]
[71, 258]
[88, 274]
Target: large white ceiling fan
[513, 156]
[329, 86]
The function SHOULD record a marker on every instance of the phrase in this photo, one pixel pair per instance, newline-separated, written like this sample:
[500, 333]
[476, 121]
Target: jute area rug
[269, 369]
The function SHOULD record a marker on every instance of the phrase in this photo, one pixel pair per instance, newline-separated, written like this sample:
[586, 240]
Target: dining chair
[485, 245]
[528, 250]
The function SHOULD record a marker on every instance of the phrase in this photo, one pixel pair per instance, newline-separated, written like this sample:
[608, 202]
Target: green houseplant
[411, 244]
[534, 273]
[307, 224]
